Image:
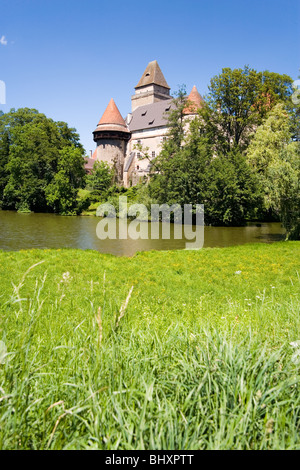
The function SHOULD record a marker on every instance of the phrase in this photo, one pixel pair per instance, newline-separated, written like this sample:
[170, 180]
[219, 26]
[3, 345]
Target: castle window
[138, 167]
[138, 142]
[138, 155]
[153, 154]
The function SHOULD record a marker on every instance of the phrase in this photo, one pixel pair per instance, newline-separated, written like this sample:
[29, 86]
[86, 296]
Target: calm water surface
[25, 231]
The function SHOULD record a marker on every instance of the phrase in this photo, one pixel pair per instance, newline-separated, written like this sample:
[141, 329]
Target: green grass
[200, 358]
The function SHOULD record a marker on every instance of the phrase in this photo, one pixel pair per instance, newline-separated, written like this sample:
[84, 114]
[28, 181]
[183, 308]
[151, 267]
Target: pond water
[26, 231]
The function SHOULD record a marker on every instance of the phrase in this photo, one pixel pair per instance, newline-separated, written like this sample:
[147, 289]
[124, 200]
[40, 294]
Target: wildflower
[66, 277]
[238, 272]
[269, 425]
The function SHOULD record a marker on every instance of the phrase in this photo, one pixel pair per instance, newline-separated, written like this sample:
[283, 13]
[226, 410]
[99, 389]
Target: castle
[120, 140]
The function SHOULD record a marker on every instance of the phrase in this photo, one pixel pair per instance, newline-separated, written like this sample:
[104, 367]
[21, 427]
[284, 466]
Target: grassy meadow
[164, 350]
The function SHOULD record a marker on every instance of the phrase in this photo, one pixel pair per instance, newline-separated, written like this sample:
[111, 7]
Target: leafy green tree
[238, 101]
[30, 145]
[276, 159]
[61, 193]
[182, 169]
[232, 191]
[176, 121]
[285, 197]
[101, 177]
[4, 155]
[190, 173]
[270, 139]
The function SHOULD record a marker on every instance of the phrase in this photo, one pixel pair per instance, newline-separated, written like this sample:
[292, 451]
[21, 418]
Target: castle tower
[111, 136]
[151, 88]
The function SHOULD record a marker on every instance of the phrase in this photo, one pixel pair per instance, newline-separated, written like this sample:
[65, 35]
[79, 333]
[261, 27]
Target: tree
[232, 192]
[100, 178]
[190, 173]
[4, 154]
[285, 197]
[238, 102]
[30, 145]
[276, 159]
[61, 193]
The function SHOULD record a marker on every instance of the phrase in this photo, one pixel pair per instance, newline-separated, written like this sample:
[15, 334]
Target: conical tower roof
[196, 101]
[153, 75]
[112, 119]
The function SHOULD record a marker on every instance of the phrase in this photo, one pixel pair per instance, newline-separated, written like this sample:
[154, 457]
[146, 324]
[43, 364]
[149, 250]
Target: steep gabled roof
[153, 75]
[196, 101]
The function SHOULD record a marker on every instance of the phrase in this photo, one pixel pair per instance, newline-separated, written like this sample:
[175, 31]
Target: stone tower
[111, 136]
[151, 88]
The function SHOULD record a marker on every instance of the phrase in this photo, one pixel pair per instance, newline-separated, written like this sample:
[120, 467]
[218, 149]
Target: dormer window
[151, 122]
[144, 113]
[147, 74]
[168, 108]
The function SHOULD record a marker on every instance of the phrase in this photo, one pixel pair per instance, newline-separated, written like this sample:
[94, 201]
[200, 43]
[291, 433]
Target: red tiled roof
[89, 163]
[112, 120]
[196, 101]
[112, 115]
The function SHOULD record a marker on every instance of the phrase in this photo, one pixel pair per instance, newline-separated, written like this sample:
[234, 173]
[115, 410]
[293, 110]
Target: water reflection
[25, 231]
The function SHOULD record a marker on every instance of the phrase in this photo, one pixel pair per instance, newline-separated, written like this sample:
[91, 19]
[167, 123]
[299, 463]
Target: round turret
[111, 136]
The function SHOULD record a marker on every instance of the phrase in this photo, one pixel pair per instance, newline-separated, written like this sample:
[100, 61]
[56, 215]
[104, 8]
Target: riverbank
[198, 358]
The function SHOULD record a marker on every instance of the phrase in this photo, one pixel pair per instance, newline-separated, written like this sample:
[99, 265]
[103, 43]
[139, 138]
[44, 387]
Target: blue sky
[67, 58]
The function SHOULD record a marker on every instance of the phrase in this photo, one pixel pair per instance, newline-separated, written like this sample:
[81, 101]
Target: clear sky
[67, 58]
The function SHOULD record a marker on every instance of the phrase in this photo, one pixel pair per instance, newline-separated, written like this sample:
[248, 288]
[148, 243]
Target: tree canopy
[31, 147]
[275, 158]
[237, 103]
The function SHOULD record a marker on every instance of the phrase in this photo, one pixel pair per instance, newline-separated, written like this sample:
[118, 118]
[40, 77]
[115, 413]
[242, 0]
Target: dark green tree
[61, 193]
[30, 145]
[190, 173]
[4, 155]
[232, 191]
